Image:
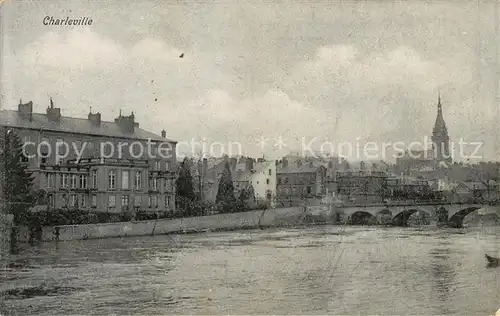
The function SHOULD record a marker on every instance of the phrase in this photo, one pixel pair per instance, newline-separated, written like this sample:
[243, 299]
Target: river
[319, 270]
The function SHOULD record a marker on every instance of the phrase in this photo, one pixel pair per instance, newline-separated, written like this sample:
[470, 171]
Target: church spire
[439, 100]
[440, 136]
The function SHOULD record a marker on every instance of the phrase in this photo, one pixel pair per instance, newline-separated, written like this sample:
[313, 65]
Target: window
[157, 165]
[94, 200]
[83, 200]
[51, 200]
[73, 181]
[267, 181]
[59, 159]
[94, 179]
[64, 180]
[125, 179]
[74, 200]
[167, 166]
[112, 201]
[269, 171]
[153, 201]
[167, 200]
[125, 200]
[154, 185]
[137, 180]
[90, 145]
[279, 180]
[83, 181]
[27, 139]
[137, 200]
[49, 178]
[112, 180]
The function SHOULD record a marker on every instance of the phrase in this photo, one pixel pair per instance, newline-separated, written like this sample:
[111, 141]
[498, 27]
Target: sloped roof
[474, 185]
[296, 169]
[75, 125]
[241, 176]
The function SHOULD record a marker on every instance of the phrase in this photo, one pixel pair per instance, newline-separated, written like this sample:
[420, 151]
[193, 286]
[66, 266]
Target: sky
[310, 72]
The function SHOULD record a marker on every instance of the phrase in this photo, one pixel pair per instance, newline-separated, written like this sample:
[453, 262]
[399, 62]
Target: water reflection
[443, 275]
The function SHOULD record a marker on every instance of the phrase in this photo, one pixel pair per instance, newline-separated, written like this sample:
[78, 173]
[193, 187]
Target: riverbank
[220, 222]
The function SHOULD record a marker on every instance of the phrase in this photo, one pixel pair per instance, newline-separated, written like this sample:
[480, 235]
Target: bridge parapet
[442, 211]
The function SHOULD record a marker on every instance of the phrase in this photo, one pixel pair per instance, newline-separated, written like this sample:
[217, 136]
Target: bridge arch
[401, 219]
[362, 218]
[384, 216]
[458, 218]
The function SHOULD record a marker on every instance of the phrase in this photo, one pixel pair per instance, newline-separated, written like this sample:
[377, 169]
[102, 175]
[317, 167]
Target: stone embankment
[5, 234]
[232, 221]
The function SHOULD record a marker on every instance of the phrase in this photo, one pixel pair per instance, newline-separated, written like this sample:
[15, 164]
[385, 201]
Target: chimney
[164, 134]
[249, 164]
[126, 123]
[95, 118]
[53, 114]
[25, 110]
[232, 163]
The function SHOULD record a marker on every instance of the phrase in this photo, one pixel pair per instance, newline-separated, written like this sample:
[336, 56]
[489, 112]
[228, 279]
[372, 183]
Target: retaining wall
[251, 219]
[5, 233]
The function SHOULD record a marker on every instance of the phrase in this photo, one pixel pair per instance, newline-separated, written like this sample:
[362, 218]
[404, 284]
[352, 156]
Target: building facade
[362, 186]
[262, 177]
[298, 181]
[104, 166]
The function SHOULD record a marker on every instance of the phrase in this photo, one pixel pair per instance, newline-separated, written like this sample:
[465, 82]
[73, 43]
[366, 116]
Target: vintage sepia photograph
[225, 157]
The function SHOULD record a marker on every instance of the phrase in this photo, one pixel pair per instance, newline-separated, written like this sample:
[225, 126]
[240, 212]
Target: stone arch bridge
[398, 214]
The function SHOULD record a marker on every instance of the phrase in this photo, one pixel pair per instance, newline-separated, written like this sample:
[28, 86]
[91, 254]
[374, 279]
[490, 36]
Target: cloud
[77, 49]
[255, 70]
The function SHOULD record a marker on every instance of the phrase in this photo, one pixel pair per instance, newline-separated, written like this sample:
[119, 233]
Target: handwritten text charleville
[49, 20]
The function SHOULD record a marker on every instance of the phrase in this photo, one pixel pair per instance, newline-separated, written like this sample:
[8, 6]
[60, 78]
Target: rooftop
[75, 125]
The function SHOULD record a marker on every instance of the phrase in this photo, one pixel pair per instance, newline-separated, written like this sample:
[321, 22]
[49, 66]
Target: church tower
[440, 139]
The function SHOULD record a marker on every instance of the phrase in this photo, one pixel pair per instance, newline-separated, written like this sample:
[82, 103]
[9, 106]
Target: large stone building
[112, 167]
[363, 186]
[298, 181]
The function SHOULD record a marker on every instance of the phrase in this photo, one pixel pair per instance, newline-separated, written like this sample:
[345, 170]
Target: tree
[16, 180]
[184, 184]
[225, 191]
[246, 197]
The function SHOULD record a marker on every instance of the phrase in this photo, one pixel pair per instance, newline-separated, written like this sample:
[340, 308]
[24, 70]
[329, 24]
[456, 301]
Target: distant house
[298, 181]
[363, 186]
[442, 184]
[470, 191]
[262, 178]
[206, 174]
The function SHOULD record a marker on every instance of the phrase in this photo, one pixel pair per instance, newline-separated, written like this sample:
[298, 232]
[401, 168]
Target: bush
[60, 217]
